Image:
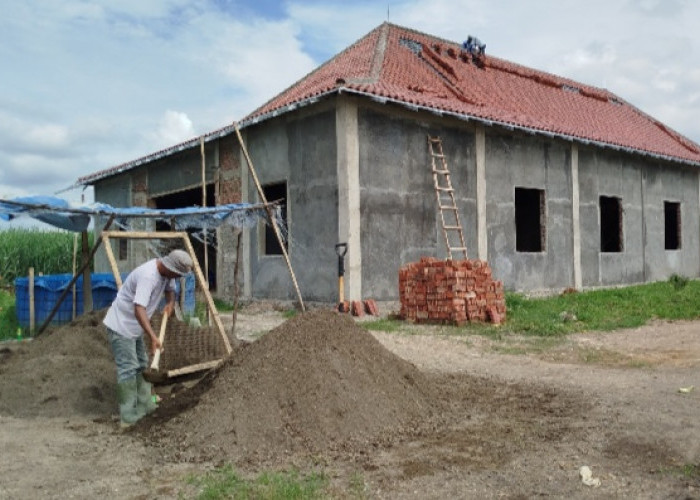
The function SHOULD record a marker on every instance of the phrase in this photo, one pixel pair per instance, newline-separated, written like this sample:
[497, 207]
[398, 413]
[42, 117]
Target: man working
[129, 317]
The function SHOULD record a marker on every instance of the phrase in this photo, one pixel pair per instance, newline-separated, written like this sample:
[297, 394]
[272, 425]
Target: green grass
[225, 482]
[384, 325]
[556, 316]
[603, 310]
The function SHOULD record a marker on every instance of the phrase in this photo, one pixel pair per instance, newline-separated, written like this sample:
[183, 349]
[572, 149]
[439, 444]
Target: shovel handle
[161, 338]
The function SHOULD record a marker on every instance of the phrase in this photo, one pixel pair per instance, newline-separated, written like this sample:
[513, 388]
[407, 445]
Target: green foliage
[48, 252]
[224, 482]
[8, 316]
[678, 281]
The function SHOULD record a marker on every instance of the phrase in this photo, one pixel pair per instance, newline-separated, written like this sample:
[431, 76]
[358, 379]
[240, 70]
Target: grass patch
[290, 313]
[603, 310]
[225, 482]
[685, 471]
[385, 325]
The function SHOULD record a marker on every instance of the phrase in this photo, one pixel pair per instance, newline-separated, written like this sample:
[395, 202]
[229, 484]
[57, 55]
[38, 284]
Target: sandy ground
[532, 414]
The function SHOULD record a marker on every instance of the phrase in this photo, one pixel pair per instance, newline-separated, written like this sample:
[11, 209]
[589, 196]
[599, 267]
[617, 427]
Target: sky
[89, 84]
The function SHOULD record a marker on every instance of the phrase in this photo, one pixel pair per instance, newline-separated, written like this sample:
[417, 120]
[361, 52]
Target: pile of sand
[318, 382]
[62, 374]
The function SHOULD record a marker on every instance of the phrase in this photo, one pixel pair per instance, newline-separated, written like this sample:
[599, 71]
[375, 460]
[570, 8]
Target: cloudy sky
[89, 84]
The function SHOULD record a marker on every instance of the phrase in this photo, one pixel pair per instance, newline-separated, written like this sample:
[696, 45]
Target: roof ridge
[316, 70]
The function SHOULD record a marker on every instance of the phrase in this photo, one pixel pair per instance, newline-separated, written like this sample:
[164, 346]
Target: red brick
[357, 308]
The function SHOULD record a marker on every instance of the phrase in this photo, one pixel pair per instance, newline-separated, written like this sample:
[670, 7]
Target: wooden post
[85, 264]
[270, 215]
[32, 313]
[75, 253]
[87, 279]
[205, 231]
[236, 288]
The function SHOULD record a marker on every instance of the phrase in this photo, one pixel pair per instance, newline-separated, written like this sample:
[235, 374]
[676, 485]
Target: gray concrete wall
[300, 150]
[525, 161]
[642, 186]
[115, 191]
[663, 183]
[614, 175]
[398, 205]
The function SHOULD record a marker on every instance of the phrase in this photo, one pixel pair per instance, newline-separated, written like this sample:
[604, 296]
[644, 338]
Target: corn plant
[48, 252]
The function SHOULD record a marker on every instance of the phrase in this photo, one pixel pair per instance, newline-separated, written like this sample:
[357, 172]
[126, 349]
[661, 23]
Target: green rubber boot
[128, 412]
[144, 401]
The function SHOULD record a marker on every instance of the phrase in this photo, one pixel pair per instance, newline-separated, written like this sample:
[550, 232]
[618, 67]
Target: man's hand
[155, 344]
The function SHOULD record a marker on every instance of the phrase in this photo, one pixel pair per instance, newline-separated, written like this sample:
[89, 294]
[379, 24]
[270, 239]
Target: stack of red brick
[450, 292]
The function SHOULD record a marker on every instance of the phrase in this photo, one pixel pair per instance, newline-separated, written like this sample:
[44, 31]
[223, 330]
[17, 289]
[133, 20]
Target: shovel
[152, 374]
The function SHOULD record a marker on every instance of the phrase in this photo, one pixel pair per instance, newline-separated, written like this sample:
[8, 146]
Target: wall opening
[530, 221]
[610, 224]
[191, 198]
[123, 248]
[275, 192]
[672, 225]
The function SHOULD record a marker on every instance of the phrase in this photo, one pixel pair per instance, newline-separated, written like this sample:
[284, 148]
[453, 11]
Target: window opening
[275, 192]
[529, 220]
[610, 224]
[672, 225]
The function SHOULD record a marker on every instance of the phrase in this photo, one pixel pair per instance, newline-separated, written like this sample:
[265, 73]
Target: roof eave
[522, 128]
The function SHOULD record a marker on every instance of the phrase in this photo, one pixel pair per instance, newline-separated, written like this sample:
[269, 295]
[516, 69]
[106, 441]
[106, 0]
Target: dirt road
[520, 418]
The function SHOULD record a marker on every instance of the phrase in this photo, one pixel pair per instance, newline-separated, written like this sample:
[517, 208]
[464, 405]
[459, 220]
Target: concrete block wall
[450, 292]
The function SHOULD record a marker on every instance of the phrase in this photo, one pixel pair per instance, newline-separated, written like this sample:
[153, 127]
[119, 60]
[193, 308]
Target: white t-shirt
[144, 286]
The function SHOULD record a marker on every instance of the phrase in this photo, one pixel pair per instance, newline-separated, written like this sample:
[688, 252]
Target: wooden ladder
[444, 193]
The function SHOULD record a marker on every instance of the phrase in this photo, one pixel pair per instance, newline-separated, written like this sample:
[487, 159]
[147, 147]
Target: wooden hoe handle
[161, 338]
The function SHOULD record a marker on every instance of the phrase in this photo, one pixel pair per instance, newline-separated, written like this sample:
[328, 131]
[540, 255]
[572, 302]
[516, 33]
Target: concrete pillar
[575, 220]
[348, 167]
[482, 234]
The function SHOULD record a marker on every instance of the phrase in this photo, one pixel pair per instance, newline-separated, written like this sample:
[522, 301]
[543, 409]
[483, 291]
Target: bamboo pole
[32, 308]
[194, 368]
[210, 302]
[270, 215]
[85, 264]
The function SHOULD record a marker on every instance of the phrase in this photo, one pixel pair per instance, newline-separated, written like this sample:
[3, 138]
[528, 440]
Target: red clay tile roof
[419, 70]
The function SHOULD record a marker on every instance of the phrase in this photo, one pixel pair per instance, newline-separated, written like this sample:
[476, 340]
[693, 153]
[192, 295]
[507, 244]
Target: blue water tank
[48, 289]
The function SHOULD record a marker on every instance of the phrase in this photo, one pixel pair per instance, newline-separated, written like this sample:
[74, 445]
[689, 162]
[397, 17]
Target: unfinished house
[558, 184]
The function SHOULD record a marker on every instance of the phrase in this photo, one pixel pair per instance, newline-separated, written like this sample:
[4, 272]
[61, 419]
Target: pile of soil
[316, 383]
[63, 373]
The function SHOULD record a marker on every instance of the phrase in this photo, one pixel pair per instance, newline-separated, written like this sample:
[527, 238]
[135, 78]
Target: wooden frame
[106, 235]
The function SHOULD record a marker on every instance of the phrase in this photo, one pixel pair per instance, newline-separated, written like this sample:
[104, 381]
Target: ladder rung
[458, 248]
[446, 207]
[438, 155]
[453, 228]
[444, 189]
[446, 172]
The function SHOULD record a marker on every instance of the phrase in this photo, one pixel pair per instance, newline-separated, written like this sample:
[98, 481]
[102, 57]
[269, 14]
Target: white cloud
[85, 83]
[174, 127]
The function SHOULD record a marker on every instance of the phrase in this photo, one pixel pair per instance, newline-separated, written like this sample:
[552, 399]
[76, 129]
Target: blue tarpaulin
[62, 214]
